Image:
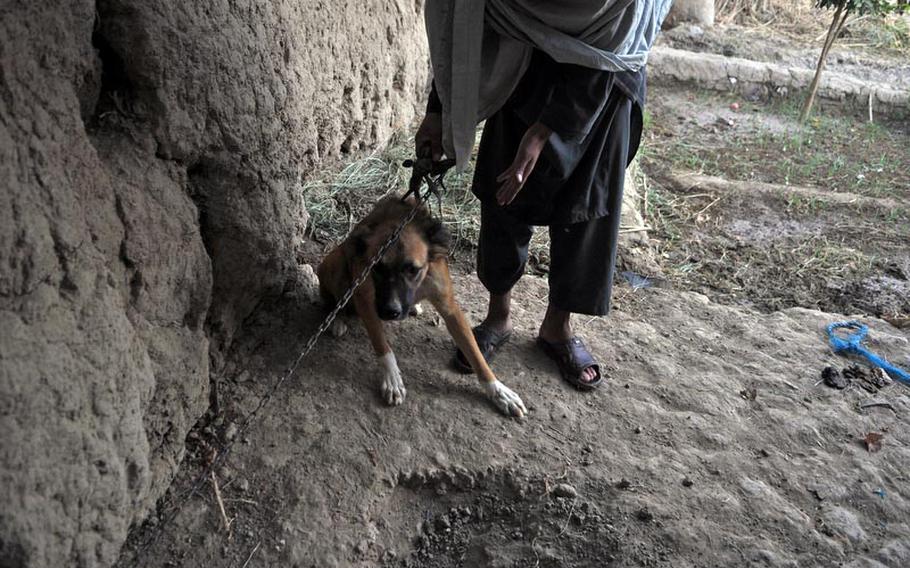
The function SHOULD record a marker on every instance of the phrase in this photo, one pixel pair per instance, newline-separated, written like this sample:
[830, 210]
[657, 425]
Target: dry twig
[224, 518]
[250, 557]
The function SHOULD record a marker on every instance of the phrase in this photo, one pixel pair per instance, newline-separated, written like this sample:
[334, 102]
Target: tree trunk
[837, 24]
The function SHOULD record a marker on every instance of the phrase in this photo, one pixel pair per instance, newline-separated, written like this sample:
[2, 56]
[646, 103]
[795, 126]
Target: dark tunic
[570, 182]
[576, 187]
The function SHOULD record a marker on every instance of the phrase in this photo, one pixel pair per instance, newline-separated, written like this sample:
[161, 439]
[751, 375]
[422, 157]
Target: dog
[414, 269]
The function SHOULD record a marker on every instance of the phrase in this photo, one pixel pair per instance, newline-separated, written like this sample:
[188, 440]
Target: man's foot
[556, 330]
[489, 340]
[575, 362]
[492, 333]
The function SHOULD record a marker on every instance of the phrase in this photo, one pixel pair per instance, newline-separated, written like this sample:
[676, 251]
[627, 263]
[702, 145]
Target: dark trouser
[582, 257]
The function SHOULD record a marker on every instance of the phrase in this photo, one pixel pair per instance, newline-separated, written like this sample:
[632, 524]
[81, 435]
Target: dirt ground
[715, 442]
[713, 445]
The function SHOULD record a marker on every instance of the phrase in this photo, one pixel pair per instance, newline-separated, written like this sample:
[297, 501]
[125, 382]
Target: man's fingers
[506, 174]
[514, 178]
[500, 193]
[508, 191]
[503, 192]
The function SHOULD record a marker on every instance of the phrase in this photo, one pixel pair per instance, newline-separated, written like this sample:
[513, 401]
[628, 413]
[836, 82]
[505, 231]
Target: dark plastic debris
[834, 379]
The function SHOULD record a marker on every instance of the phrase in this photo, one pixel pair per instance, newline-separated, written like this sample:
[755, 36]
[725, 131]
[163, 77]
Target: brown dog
[414, 269]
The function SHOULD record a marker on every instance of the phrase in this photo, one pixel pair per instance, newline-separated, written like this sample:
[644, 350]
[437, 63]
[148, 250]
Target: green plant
[842, 9]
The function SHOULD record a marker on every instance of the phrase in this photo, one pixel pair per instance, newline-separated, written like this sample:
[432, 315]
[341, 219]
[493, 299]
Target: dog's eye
[412, 269]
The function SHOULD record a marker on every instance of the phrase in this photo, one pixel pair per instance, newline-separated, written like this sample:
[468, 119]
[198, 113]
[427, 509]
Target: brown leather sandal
[572, 358]
[489, 342]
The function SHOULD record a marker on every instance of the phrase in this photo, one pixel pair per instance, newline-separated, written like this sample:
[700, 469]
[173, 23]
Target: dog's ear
[438, 237]
[356, 242]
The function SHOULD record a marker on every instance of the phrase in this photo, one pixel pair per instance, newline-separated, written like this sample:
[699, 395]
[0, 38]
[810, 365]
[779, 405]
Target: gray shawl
[481, 48]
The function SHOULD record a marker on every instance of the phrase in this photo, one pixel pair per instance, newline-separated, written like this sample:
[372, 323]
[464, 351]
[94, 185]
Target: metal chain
[225, 449]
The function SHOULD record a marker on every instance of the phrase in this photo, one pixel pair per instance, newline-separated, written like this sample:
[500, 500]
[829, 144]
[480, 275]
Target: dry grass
[837, 153]
[337, 199]
[339, 196]
[797, 14]
[801, 21]
[820, 269]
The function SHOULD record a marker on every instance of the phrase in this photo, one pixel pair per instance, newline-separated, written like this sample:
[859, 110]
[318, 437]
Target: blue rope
[853, 344]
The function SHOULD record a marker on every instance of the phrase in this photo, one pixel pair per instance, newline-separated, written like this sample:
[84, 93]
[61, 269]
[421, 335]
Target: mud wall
[151, 155]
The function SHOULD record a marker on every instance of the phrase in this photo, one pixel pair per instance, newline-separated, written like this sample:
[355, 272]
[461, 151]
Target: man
[561, 86]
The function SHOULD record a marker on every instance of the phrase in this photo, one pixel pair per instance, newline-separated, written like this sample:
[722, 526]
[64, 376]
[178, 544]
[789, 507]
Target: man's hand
[514, 178]
[430, 134]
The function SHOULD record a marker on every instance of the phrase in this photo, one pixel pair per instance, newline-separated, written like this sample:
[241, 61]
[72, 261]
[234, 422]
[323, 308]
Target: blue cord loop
[852, 343]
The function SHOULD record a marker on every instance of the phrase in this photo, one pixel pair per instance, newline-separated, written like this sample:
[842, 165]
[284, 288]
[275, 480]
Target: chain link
[175, 504]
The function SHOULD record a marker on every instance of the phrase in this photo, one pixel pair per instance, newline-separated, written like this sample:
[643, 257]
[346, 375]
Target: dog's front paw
[391, 385]
[506, 400]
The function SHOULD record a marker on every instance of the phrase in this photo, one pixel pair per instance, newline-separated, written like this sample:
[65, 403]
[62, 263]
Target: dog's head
[398, 276]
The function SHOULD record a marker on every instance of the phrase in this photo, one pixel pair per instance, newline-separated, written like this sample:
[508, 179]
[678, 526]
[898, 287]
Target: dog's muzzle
[391, 311]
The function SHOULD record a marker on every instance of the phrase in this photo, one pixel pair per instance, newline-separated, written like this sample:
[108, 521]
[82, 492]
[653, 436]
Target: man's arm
[430, 131]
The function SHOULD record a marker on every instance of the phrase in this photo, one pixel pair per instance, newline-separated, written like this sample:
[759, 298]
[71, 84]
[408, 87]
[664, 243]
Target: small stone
[838, 521]
[243, 485]
[230, 432]
[644, 515]
[624, 484]
[565, 490]
[687, 482]
[695, 32]
[638, 429]
[362, 547]
[442, 523]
